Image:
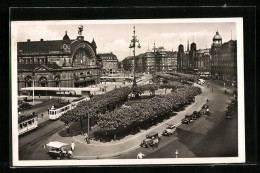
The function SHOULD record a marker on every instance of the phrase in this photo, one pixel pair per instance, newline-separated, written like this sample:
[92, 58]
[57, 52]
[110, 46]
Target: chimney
[28, 40]
[41, 39]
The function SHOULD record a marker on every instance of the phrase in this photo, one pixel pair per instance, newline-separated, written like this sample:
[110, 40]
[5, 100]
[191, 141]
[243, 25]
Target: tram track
[41, 138]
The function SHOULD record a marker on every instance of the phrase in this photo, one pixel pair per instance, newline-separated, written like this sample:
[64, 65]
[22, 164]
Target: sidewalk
[97, 150]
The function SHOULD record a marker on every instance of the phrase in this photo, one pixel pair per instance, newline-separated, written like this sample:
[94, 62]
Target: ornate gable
[42, 68]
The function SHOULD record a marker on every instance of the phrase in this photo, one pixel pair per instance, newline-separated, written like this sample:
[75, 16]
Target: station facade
[58, 63]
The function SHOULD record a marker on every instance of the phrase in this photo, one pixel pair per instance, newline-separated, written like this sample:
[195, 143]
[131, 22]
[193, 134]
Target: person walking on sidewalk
[70, 154]
[156, 141]
[72, 146]
[176, 153]
[140, 155]
[86, 137]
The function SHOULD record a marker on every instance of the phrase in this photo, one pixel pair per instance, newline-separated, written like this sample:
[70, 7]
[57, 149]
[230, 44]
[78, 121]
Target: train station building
[58, 63]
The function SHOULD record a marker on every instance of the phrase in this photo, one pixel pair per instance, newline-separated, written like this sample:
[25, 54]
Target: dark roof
[106, 54]
[33, 66]
[39, 46]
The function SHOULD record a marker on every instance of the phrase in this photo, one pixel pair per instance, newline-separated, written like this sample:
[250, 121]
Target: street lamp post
[154, 71]
[33, 85]
[132, 45]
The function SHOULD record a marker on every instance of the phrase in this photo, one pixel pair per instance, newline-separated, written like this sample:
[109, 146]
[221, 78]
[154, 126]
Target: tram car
[27, 123]
[55, 112]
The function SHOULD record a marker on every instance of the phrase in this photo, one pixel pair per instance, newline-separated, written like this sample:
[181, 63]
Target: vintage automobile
[229, 116]
[24, 106]
[149, 141]
[57, 149]
[205, 106]
[232, 107]
[196, 115]
[233, 102]
[187, 119]
[170, 130]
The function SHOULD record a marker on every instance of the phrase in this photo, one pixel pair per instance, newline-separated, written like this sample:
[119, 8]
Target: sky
[116, 37]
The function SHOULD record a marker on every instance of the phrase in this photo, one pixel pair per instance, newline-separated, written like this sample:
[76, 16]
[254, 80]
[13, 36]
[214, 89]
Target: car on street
[187, 119]
[201, 81]
[57, 149]
[170, 130]
[149, 141]
[196, 115]
[24, 106]
[205, 106]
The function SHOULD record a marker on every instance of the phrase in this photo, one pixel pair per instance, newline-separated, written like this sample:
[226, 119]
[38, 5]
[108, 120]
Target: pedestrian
[86, 137]
[39, 95]
[68, 128]
[176, 153]
[208, 85]
[207, 111]
[42, 115]
[156, 142]
[72, 146]
[140, 155]
[50, 97]
[70, 154]
[153, 142]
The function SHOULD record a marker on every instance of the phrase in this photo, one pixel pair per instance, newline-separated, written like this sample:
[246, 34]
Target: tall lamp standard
[154, 71]
[33, 75]
[132, 45]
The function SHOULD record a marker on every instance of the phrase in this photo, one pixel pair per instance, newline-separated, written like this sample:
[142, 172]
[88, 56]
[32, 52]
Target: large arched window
[43, 81]
[28, 81]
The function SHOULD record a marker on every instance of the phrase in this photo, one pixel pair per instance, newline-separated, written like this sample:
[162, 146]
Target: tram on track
[27, 123]
[57, 111]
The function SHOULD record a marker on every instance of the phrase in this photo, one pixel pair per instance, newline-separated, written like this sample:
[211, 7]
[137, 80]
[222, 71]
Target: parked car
[196, 115]
[201, 81]
[229, 114]
[24, 106]
[187, 119]
[170, 130]
[149, 141]
[205, 106]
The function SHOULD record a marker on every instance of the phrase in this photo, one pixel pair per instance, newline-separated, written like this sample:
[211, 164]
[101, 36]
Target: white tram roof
[56, 144]
[59, 89]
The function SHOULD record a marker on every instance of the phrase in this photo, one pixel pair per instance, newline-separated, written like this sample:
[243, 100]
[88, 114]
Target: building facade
[58, 63]
[224, 59]
[193, 61]
[158, 60]
[109, 63]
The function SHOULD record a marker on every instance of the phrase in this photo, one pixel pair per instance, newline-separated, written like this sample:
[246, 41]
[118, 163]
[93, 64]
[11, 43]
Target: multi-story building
[58, 63]
[224, 59]
[109, 63]
[158, 60]
[203, 62]
[182, 60]
[193, 61]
